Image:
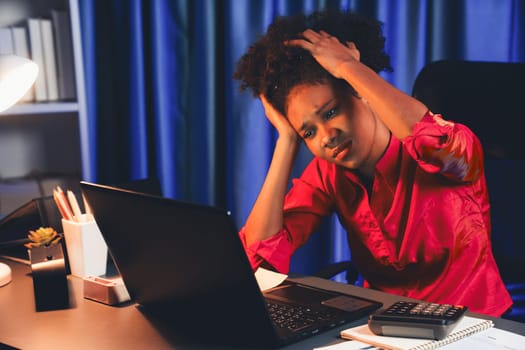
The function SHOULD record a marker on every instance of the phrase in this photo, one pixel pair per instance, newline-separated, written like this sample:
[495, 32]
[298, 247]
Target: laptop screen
[185, 264]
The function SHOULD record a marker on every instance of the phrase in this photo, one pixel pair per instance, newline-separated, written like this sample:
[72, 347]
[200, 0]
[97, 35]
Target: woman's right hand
[266, 217]
[279, 121]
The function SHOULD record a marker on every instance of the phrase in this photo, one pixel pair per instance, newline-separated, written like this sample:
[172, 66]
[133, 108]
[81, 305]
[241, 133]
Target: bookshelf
[46, 137]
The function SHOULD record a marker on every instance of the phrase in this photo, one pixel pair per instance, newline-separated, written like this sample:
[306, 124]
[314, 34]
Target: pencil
[74, 205]
[59, 206]
[62, 204]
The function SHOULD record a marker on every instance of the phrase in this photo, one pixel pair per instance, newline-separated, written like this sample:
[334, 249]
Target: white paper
[490, 339]
[348, 345]
[268, 279]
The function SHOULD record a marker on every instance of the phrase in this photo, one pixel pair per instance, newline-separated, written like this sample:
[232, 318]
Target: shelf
[46, 137]
[42, 108]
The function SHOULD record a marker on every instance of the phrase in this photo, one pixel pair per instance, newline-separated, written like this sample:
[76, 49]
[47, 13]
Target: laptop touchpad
[299, 294]
[346, 303]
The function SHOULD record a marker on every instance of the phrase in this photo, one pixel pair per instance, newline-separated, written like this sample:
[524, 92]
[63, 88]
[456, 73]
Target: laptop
[185, 267]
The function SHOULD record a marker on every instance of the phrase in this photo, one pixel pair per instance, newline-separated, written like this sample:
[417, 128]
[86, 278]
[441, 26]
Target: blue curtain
[161, 101]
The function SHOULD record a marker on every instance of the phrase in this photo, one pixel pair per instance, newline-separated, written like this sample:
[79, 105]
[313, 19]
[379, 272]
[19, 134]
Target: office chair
[486, 96]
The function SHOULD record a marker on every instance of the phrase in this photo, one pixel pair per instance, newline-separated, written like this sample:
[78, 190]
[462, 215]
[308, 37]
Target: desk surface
[91, 325]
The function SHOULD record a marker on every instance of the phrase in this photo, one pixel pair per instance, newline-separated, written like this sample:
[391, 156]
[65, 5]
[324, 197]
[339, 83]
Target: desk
[91, 325]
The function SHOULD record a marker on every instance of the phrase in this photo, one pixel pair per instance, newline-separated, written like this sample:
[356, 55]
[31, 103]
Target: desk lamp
[17, 74]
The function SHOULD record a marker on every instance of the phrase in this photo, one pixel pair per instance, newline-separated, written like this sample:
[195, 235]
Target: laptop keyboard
[296, 317]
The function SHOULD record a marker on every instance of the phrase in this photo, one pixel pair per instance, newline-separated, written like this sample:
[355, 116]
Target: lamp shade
[17, 74]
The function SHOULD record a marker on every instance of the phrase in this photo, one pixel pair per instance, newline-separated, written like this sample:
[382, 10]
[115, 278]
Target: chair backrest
[486, 96]
[489, 98]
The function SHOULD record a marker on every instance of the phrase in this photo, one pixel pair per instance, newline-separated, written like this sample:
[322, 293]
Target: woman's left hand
[327, 50]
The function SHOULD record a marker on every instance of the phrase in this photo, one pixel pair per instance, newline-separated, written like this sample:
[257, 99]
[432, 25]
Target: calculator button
[430, 310]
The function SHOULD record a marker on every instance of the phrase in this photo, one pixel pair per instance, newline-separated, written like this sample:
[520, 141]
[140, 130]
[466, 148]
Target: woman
[408, 186]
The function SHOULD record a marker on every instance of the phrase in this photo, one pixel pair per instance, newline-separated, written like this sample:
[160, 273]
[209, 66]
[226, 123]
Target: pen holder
[86, 249]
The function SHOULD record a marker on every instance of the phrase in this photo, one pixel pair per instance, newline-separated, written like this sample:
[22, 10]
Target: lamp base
[5, 274]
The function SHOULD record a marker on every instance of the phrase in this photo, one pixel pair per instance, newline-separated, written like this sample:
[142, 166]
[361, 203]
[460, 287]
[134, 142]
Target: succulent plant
[44, 236]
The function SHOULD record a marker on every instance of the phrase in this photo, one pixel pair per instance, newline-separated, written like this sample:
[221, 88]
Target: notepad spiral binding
[455, 336]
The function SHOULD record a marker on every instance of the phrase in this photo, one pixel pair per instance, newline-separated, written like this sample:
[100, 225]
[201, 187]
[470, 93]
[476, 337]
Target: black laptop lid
[183, 262]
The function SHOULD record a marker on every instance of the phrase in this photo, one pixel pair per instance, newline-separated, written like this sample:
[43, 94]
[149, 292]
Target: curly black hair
[272, 68]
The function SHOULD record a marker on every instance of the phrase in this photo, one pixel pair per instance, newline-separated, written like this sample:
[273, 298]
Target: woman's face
[338, 127]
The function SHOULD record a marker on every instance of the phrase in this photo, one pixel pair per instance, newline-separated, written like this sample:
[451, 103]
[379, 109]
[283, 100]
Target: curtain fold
[162, 103]
[168, 71]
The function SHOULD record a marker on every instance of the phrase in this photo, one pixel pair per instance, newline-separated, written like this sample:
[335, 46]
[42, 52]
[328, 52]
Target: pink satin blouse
[423, 229]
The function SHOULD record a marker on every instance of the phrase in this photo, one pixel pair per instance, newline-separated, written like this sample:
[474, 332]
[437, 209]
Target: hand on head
[327, 50]
[278, 120]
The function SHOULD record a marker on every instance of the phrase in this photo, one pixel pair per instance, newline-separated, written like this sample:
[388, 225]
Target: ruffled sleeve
[275, 249]
[441, 146]
[309, 200]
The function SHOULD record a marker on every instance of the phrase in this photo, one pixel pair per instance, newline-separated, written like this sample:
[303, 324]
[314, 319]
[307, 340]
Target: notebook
[185, 267]
[466, 327]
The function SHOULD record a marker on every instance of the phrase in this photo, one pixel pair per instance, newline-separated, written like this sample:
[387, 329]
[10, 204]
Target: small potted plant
[48, 269]
[44, 236]
[43, 245]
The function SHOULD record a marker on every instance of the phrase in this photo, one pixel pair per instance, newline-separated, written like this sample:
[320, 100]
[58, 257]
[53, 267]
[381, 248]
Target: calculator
[416, 320]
